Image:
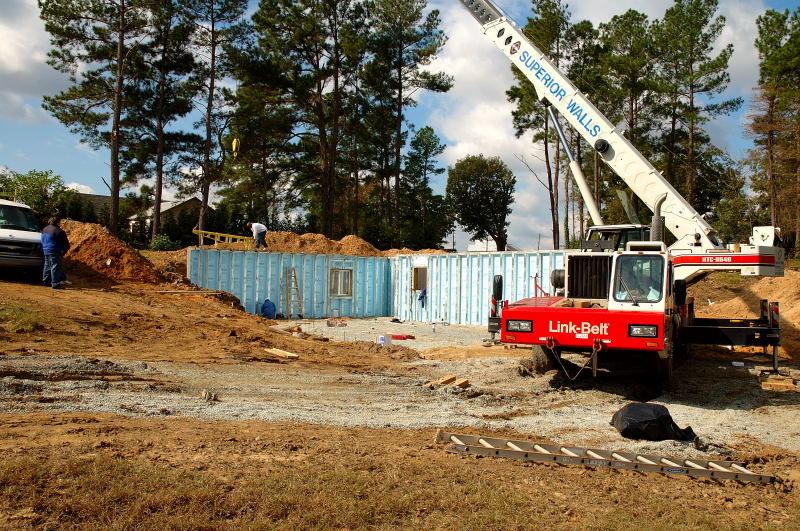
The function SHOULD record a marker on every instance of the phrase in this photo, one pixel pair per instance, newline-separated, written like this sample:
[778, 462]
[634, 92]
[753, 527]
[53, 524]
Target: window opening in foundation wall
[420, 278]
[341, 282]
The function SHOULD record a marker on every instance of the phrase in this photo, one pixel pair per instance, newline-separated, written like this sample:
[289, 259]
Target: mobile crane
[611, 299]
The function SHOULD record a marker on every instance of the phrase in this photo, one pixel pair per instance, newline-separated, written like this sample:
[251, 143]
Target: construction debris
[208, 396]
[775, 382]
[449, 380]
[283, 353]
[463, 383]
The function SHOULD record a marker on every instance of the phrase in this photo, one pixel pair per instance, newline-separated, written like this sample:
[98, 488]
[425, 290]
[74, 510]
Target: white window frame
[417, 283]
[336, 277]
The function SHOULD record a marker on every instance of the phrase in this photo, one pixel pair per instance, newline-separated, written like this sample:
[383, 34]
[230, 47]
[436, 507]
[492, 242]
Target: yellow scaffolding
[219, 237]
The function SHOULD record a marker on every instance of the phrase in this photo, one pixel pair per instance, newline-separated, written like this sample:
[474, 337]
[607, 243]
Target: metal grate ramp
[574, 455]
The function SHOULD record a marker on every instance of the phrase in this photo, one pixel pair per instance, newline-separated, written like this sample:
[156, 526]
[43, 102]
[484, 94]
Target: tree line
[301, 108]
[300, 113]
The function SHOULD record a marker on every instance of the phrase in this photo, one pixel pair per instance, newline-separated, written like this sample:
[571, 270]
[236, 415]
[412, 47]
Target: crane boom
[693, 233]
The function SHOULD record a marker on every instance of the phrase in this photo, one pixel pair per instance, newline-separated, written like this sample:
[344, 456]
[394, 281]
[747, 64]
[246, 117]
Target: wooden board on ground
[283, 353]
[777, 383]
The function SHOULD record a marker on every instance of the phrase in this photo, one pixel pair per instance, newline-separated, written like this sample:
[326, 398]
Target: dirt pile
[312, 243]
[406, 250]
[168, 261]
[746, 294]
[94, 248]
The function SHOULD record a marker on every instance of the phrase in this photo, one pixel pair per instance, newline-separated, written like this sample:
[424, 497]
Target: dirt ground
[124, 407]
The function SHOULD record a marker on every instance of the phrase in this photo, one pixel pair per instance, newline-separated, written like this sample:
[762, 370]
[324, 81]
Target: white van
[20, 240]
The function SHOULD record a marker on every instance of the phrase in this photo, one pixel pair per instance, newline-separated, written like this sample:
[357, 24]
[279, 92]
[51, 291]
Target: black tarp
[649, 421]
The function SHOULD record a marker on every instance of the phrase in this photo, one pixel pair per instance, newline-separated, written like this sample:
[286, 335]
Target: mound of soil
[94, 248]
[311, 243]
[406, 250]
[168, 261]
[745, 295]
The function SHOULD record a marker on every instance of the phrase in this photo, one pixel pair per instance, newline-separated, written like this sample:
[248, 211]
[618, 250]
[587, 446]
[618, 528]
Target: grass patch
[17, 318]
[363, 492]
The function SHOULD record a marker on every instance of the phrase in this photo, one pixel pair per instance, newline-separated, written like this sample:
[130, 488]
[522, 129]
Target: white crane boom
[693, 233]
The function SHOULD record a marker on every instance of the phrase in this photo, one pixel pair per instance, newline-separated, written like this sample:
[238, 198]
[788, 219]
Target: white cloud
[23, 63]
[167, 193]
[82, 188]
[474, 117]
[13, 106]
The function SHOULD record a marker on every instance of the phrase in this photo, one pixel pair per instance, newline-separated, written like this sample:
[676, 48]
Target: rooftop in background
[488, 246]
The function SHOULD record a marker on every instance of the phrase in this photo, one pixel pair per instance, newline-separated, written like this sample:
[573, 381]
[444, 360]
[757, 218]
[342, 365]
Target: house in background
[174, 209]
[488, 246]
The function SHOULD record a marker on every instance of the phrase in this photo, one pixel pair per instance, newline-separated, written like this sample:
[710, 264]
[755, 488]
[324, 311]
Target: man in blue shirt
[268, 309]
[54, 245]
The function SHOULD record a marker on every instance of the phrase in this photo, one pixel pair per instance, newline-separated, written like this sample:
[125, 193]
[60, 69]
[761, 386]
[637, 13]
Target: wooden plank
[182, 292]
[778, 383]
[283, 353]
[444, 380]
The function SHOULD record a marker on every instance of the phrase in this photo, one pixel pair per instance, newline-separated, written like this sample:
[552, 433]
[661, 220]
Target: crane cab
[614, 237]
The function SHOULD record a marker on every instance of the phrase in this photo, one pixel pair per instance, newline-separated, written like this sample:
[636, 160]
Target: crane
[633, 299]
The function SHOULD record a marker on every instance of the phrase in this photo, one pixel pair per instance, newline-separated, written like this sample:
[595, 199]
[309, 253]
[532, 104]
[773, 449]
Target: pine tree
[218, 25]
[546, 29]
[691, 76]
[94, 42]
[406, 41]
[164, 93]
[424, 218]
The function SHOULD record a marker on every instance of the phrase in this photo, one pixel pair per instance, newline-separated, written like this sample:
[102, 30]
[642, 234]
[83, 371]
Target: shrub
[162, 243]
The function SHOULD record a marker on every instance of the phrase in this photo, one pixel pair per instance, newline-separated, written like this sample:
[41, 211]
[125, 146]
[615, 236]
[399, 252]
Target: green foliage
[161, 242]
[775, 120]
[94, 42]
[337, 123]
[220, 28]
[735, 213]
[693, 72]
[163, 92]
[43, 191]
[481, 191]
[424, 219]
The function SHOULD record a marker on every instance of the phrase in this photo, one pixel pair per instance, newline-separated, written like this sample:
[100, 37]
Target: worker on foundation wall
[259, 234]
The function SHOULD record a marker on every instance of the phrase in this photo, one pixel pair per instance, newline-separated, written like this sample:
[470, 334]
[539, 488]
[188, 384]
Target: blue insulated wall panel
[460, 285]
[254, 276]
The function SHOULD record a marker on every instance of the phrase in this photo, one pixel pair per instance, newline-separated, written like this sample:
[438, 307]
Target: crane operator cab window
[639, 278]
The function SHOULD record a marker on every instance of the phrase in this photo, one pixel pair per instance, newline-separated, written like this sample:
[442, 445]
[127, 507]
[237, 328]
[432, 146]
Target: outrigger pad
[651, 422]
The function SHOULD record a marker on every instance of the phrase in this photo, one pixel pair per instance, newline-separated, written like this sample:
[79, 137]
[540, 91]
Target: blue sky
[472, 118]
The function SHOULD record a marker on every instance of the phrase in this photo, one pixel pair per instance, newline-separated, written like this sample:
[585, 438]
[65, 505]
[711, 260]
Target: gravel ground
[725, 406]
[426, 335]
